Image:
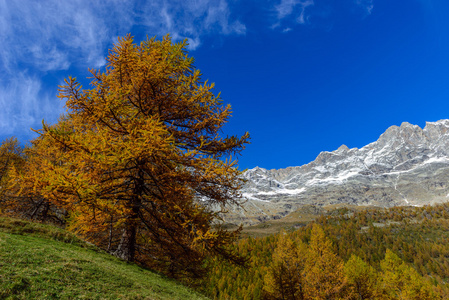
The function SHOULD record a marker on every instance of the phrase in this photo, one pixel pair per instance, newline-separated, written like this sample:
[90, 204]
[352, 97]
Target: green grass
[39, 261]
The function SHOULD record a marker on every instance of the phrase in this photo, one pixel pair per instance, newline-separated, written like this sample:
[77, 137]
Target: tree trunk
[127, 246]
[126, 249]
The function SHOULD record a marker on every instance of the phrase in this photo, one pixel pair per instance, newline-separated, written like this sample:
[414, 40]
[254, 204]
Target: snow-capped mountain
[407, 165]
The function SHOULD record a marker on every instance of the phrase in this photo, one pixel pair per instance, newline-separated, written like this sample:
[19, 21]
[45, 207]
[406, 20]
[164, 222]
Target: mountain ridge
[407, 165]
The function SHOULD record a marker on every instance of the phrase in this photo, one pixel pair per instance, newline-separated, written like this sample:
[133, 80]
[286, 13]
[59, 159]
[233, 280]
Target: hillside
[39, 261]
[298, 219]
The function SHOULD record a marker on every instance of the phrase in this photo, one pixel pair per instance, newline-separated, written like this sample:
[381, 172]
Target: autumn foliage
[300, 271]
[11, 156]
[19, 198]
[138, 160]
[138, 167]
[344, 256]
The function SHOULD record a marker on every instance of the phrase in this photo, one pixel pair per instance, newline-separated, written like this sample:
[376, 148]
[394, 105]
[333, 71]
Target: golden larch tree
[17, 200]
[11, 155]
[284, 279]
[24, 185]
[323, 273]
[400, 281]
[361, 278]
[139, 162]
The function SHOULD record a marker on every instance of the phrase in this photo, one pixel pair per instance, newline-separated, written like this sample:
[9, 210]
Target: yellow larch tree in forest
[18, 200]
[11, 155]
[25, 185]
[361, 278]
[323, 270]
[284, 279]
[139, 162]
[305, 271]
[400, 281]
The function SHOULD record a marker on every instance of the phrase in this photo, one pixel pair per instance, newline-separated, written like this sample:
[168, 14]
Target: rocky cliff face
[407, 165]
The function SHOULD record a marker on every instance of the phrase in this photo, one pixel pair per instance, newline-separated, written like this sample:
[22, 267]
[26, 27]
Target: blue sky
[302, 76]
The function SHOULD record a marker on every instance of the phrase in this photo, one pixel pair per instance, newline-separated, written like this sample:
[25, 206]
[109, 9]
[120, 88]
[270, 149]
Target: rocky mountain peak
[342, 149]
[407, 165]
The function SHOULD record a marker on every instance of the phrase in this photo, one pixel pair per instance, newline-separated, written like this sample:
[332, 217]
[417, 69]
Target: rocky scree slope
[407, 165]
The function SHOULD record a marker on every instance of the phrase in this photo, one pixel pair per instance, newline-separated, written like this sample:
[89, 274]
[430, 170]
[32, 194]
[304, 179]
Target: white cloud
[291, 8]
[191, 19]
[37, 37]
[50, 35]
[23, 105]
[193, 43]
[44, 36]
[53, 34]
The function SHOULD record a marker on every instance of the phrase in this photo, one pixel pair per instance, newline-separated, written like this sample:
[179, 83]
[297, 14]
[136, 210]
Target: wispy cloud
[49, 34]
[23, 104]
[291, 9]
[288, 13]
[286, 7]
[45, 36]
[191, 19]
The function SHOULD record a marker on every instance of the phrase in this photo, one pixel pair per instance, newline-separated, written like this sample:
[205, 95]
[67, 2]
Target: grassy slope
[44, 262]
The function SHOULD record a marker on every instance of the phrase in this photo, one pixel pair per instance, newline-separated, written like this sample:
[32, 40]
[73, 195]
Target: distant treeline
[396, 253]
